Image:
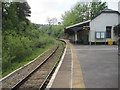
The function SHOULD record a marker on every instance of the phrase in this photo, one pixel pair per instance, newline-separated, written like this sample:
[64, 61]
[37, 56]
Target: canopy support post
[75, 37]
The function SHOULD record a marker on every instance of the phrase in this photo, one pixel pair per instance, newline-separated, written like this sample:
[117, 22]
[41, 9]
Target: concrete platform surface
[99, 65]
[69, 74]
[86, 66]
[63, 77]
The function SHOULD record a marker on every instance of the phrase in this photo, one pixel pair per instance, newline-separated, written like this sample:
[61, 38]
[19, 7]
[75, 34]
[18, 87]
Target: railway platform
[87, 66]
[68, 74]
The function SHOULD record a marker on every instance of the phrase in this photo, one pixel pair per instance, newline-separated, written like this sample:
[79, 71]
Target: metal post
[105, 37]
[90, 37]
[95, 38]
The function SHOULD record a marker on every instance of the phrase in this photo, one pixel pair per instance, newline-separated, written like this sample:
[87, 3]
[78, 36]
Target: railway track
[39, 76]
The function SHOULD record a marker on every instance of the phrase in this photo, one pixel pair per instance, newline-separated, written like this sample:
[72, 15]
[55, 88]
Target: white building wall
[100, 23]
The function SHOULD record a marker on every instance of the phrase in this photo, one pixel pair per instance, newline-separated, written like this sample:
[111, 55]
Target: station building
[98, 30]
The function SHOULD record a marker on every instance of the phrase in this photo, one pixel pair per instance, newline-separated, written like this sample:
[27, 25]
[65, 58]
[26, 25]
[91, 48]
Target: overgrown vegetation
[22, 41]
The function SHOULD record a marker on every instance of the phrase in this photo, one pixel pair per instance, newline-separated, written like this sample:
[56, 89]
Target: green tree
[13, 14]
[23, 10]
[51, 22]
[96, 7]
[70, 18]
[82, 12]
[9, 16]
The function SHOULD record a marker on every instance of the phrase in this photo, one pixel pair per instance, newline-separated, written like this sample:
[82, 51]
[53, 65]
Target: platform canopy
[79, 26]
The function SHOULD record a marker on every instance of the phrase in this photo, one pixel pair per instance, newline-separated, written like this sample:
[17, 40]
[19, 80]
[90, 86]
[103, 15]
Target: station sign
[86, 28]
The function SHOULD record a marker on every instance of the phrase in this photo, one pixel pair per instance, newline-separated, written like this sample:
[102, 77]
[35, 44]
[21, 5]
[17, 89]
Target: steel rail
[27, 77]
[42, 86]
[50, 73]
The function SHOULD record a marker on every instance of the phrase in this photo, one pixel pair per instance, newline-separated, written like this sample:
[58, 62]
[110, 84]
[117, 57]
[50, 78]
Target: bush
[17, 48]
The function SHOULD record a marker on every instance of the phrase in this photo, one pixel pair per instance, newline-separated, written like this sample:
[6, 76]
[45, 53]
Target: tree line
[83, 11]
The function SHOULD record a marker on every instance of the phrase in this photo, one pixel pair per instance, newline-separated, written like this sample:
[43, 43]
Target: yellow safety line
[68, 45]
[77, 77]
[71, 69]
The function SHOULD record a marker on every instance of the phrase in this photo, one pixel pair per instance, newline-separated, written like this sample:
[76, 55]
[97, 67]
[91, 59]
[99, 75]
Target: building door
[86, 37]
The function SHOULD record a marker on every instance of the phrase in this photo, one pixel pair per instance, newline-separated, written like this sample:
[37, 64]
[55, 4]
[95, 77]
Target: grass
[17, 65]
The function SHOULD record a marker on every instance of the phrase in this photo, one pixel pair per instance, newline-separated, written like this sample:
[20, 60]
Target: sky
[43, 9]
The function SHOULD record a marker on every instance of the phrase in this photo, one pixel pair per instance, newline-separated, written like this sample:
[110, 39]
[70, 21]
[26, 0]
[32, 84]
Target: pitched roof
[107, 11]
[88, 21]
[78, 24]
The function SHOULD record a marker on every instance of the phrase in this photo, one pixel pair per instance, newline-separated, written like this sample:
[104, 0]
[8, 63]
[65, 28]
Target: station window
[108, 31]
